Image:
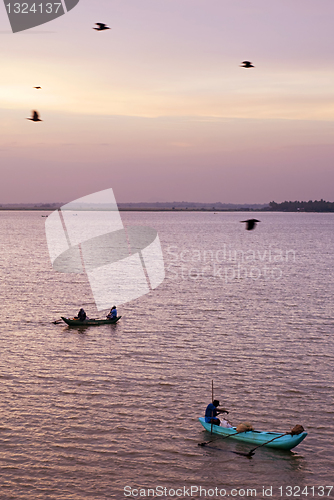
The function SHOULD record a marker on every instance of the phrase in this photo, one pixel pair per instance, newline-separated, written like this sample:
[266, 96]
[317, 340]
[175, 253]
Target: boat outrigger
[276, 440]
[90, 322]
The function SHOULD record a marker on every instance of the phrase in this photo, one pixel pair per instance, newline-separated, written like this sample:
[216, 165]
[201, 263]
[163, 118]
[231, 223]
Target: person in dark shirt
[82, 315]
[211, 413]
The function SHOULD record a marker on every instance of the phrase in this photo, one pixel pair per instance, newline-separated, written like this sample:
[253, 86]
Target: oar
[298, 429]
[57, 321]
[212, 402]
[251, 452]
[225, 437]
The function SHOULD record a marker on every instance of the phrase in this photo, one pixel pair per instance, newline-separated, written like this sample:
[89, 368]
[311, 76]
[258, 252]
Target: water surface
[85, 413]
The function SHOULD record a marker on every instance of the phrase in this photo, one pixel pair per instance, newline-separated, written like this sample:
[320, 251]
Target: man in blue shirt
[113, 313]
[211, 413]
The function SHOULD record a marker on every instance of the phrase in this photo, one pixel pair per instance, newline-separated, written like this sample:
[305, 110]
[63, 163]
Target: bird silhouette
[250, 223]
[35, 117]
[37, 87]
[101, 27]
[247, 64]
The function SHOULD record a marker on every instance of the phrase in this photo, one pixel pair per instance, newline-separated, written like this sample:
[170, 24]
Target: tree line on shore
[302, 206]
[286, 206]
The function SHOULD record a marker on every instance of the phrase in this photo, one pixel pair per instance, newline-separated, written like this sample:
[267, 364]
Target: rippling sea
[87, 413]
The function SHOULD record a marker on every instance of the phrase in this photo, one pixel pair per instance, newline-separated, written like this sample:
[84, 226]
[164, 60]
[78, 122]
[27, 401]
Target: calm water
[86, 413]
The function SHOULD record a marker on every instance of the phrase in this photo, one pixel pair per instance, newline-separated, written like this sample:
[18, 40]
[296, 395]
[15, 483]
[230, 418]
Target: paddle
[225, 437]
[251, 452]
[212, 416]
[57, 321]
[212, 402]
[298, 429]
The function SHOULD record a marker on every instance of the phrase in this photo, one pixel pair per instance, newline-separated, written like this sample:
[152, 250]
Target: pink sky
[158, 108]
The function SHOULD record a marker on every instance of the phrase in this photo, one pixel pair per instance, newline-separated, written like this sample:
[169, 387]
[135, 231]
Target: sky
[159, 109]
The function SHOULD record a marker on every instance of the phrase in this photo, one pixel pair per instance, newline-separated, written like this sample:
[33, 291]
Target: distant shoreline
[320, 206]
[184, 210]
[23, 209]
[150, 207]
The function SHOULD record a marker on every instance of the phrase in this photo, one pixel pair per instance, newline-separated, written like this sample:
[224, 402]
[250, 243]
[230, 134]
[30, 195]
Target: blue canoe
[285, 442]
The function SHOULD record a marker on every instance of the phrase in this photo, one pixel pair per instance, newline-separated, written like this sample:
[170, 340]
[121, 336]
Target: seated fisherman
[82, 315]
[113, 313]
[211, 413]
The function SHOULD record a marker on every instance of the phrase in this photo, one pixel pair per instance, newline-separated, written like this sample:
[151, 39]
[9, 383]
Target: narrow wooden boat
[284, 442]
[90, 322]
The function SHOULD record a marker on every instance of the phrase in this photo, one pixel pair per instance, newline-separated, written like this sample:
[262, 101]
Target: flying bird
[35, 117]
[101, 27]
[37, 87]
[247, 64]
[250, 223]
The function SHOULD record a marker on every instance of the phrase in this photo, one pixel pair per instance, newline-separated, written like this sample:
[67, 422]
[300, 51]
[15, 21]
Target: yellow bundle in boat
[244, 426]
